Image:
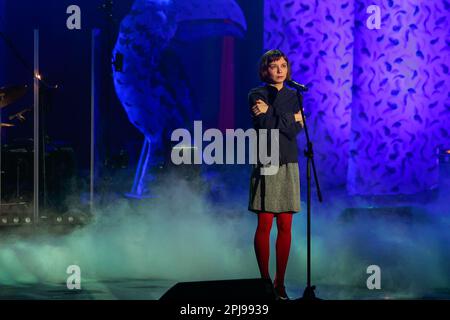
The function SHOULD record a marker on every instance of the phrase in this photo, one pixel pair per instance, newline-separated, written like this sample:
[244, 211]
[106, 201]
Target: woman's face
[278, 71]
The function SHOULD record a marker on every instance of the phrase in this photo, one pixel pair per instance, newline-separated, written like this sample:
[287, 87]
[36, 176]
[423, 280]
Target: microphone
[297, 85]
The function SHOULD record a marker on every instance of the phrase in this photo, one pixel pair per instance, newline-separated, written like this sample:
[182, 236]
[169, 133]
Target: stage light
[16, 220]
[38, 76]
[70, 219]
[27, 220]
[58, 219]
[444, 155]
[4, 220]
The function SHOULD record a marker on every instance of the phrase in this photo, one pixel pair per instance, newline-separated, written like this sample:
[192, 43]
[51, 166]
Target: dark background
[65, 60]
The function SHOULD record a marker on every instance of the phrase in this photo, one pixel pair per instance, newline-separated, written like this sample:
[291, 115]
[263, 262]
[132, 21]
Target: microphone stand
[308, 293]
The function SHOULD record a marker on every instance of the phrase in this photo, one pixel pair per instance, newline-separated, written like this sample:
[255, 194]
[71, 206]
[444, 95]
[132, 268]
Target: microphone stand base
[309, 295]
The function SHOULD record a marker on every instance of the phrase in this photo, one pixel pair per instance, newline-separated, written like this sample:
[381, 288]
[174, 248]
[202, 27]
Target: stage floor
[150, 289]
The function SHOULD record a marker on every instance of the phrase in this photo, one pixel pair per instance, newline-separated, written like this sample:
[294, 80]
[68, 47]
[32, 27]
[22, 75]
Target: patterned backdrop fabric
[400, 112]
[379, 104]
[318, 40]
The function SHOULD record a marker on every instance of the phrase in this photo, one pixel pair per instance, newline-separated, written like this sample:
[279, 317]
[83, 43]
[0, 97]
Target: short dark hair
[269, 57]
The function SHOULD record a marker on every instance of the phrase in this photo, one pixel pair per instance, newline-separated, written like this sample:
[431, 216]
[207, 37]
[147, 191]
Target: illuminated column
[226, 113]
[36, 155]
[2, 81]
[2, 45]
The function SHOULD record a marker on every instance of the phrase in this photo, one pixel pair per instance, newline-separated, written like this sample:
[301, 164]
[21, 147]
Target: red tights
[283, 244]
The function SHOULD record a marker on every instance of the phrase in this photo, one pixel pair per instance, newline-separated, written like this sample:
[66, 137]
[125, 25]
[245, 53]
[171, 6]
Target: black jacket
[280, 115]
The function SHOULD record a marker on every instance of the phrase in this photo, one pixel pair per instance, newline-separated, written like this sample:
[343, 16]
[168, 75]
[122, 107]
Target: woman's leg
[262, 242]
[283, 246]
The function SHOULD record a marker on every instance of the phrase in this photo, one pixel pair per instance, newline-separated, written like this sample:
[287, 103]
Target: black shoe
[281, 294]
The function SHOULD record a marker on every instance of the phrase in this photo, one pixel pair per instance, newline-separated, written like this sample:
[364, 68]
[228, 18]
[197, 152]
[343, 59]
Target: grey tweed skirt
[275, 193]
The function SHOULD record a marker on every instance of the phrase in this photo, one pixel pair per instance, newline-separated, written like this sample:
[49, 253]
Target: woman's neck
[279, 86]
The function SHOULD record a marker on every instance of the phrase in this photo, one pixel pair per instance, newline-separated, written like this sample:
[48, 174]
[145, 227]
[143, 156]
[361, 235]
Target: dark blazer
[280, 115]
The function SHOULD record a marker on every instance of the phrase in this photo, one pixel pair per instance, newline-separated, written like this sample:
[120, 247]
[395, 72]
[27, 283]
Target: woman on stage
[274, 106]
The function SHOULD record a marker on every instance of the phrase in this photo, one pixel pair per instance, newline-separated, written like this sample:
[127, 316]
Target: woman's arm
[270, 119]
[285, 122]
[294, 129]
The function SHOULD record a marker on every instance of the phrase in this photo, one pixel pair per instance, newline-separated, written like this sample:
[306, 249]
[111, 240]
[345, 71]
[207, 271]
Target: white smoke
[183, 235]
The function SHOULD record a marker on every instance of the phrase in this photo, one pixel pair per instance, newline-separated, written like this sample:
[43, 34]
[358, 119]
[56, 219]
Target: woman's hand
[298, 118]
[260, 107]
